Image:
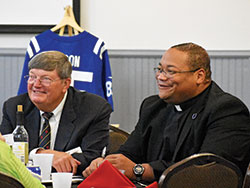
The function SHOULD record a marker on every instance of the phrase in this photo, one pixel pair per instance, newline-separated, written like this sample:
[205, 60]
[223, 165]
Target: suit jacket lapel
[188, 122]
[157, 136]
[66, 125]
[33, 126]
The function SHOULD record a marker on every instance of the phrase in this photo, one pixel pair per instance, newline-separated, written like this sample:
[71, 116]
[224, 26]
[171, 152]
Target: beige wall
[157, 24]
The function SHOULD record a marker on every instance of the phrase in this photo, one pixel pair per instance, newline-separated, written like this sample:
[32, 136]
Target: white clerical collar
[178, 108]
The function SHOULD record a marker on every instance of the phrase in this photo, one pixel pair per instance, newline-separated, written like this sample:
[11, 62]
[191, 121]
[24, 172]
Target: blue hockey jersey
[87, 54]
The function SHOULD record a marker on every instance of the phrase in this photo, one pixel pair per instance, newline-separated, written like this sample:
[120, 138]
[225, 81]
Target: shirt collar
[178, 108]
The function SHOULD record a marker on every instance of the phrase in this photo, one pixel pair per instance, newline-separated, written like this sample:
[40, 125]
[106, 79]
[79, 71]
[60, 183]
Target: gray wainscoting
[133, 78]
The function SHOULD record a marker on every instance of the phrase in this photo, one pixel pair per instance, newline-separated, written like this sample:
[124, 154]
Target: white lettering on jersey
[109, 88]
[75, 60]
[81, 76]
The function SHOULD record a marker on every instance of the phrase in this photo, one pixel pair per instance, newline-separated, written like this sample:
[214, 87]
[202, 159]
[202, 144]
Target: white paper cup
[61, 180]
[45, 162]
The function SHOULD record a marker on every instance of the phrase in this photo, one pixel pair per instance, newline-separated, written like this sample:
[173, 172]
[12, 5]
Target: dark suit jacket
[84, 122]
[217, 123]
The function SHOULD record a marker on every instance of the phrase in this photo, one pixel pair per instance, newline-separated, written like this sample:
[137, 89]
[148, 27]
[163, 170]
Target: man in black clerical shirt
[191, 114]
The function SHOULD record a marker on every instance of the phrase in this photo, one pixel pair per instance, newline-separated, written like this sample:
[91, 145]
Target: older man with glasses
[191, 114]
[61, 120]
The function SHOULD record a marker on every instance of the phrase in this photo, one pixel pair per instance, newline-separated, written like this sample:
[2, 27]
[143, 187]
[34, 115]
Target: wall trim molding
[12, 51]
[141, 53]
[229, 53]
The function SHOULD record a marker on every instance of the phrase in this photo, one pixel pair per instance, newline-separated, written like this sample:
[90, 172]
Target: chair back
[203, 170]
[117, 137]
[246, 183]
[7, 181]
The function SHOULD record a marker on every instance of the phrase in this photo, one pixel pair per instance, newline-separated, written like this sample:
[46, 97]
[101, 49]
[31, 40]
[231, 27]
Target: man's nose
[37, 82]
[161, 76]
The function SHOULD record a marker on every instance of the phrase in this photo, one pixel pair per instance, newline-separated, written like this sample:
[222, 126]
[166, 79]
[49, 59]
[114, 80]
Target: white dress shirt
[54, 123]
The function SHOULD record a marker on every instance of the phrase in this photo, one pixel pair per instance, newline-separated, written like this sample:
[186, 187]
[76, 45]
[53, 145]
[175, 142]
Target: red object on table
[106, 176]
[153, 185]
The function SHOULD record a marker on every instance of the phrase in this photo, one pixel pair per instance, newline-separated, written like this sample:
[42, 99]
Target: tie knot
[47, 115]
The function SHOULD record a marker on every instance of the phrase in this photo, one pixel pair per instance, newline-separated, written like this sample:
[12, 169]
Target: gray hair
[52, 60]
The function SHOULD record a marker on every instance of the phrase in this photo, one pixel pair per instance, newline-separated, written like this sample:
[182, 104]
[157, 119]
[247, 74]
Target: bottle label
[20, 149]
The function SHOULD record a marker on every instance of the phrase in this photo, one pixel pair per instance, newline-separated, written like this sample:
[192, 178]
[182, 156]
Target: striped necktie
[44, 141]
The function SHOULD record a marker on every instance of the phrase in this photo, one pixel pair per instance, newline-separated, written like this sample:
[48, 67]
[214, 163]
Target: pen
[104, 152]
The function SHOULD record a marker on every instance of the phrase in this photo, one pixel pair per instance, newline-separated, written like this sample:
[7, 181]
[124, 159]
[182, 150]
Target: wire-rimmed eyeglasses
[170, 73]
[45, 81]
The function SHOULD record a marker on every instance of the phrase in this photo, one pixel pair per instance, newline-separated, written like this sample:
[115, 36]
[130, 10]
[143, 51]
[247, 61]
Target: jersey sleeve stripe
[30, 52]
[97, 46]
[102, 50]
[35, 43]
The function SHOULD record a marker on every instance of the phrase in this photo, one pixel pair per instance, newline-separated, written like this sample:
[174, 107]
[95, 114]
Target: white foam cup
[44, 160]
[62, 179]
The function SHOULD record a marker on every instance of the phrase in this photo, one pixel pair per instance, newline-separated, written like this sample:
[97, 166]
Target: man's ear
[200, 76]
[66, 82]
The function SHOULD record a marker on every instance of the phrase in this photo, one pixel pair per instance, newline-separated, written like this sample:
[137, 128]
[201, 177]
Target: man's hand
[93, 165]
[117, 160]
[63, 162]
[2, 138]
[122, 163]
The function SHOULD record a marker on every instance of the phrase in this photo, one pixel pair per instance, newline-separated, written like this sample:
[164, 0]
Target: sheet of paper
[9, 139]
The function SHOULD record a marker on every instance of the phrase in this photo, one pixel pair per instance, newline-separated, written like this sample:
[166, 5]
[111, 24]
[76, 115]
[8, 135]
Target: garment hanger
[68, 20]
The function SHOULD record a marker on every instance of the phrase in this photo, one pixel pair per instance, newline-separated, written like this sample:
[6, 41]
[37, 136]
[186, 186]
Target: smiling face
[47, 98]
[180, 86]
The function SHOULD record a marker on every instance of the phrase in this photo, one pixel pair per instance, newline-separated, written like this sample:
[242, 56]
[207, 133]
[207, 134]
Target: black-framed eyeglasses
[44, 80]
[170, 73]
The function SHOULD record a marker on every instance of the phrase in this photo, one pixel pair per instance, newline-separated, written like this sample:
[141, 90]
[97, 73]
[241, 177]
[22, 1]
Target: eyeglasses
[170, 73]
[45, 81]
